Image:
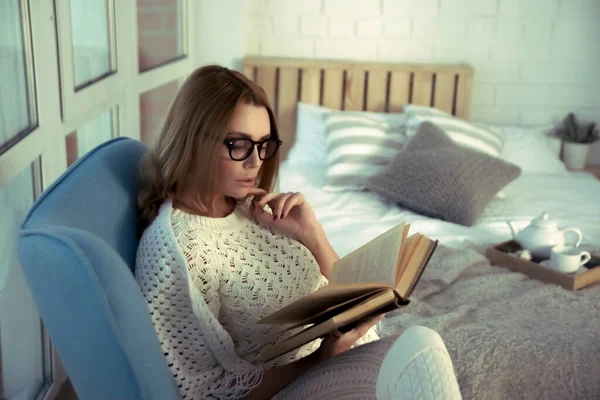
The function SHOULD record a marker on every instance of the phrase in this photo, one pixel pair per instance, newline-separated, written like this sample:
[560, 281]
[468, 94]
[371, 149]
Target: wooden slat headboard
[370, 86]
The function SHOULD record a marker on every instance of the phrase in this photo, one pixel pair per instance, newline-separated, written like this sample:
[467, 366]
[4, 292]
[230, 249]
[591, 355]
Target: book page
[417, 263]
[409, 248]
[371, 306]
[312, 305]
[331, 311]
[374, 262]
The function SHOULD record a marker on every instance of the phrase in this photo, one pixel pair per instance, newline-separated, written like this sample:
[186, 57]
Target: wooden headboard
[345, 85]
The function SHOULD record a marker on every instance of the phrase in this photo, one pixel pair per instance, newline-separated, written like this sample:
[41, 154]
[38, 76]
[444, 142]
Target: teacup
[568, 258]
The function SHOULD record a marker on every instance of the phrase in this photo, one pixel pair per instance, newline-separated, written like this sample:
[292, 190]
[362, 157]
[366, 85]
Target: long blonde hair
[192, 136]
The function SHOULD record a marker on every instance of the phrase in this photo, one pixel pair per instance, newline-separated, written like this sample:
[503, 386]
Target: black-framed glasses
[240, 149]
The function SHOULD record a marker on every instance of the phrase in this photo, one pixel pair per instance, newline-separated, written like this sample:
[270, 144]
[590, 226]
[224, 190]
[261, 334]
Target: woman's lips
[246, 182]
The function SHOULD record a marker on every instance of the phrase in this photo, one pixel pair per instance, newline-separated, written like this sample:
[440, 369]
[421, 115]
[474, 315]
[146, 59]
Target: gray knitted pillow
[435, 177]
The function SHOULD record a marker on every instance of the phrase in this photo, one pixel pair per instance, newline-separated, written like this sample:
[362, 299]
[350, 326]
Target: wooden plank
[265, 78]
[311, 85]
[377, 91]
[421, 91]
[249, 71]
[365, 65]
[399, 91]
[463, 96]
[355, 88]
[333, 87]
[286, 116]
[443, 98]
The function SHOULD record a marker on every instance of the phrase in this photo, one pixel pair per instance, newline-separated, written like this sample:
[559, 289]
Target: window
[91, 135]
[87, 71]
[92, 31]
[20, 327]
[18, 114]
[161, 32]
[154, 105]
[92, 65]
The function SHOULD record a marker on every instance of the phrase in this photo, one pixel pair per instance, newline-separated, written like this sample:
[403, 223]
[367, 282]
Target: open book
[374, 279]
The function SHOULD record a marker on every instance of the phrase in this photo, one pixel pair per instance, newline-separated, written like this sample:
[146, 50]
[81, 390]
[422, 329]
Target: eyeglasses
[240, 149]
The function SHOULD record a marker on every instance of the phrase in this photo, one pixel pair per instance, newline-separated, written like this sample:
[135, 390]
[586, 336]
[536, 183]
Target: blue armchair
[77, 247]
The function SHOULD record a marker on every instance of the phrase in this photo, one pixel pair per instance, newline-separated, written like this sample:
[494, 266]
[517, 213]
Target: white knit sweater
[206, 282]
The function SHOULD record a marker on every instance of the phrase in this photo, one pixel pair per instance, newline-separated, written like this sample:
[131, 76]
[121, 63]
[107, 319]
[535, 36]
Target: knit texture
[436, 177]
[207, 281]
[418, 366]
[351, 375]
[415, 365]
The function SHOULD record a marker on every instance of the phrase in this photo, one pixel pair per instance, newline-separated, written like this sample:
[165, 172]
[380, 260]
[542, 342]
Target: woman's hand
[337, 342]
[295, 218]
[292, 215]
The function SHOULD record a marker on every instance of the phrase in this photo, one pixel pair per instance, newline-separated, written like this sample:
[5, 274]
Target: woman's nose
[252, 161]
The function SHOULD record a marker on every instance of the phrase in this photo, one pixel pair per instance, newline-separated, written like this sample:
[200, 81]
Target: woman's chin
[239, 193]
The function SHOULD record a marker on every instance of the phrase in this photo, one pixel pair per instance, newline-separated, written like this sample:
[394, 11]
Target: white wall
[534, 60]
[220, 26]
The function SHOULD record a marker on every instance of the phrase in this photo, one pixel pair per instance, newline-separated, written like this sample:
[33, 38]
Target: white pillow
[310, 145]
[360, 145]
[468, 134]
[532, 149]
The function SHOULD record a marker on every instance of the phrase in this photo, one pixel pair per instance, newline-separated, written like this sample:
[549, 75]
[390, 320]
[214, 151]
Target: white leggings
[414, 365]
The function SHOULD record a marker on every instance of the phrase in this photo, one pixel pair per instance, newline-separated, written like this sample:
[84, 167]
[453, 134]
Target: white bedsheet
[351, 219]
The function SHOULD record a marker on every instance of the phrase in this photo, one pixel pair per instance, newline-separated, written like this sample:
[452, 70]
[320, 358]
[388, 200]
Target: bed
[509, 336]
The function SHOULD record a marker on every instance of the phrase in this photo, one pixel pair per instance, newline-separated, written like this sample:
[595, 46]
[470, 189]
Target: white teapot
[541, 235]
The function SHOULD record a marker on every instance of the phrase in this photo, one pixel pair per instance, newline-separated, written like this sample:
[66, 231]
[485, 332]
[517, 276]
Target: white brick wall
[341, 26]
[314, 25]
[421, 8]
[369, 27]
[535, 60]
[396, 27]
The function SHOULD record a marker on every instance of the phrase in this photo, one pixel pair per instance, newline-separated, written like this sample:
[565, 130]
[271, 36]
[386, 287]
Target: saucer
[546, 263]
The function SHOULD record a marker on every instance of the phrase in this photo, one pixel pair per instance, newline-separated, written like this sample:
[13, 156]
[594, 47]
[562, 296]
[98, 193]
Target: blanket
[510, 337]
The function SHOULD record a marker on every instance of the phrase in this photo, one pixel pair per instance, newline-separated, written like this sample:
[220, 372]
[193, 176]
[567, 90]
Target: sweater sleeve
[183, 299]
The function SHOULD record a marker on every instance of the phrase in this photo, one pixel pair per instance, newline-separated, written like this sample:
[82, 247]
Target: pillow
[310, 146]
[436, 177]
[359, 145]
[468, 134]
[532, 149]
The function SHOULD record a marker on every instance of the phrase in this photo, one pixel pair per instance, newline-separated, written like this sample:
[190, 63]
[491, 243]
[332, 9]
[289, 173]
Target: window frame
[61, 109]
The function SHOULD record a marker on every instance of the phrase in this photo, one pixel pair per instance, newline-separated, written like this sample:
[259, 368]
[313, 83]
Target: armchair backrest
[77, 247]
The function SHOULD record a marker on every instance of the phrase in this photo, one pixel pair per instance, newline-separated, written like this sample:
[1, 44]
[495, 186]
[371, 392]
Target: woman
[220, 250]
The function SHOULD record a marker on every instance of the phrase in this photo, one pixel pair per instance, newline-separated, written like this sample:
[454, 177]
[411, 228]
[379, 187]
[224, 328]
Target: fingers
[262, 216]
[294, 200]
[337, 342]
[265, 199]
[256, 192]
[280, 203]
[361, 329]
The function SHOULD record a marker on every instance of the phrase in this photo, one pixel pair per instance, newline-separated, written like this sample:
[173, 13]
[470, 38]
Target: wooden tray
[500, 254]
